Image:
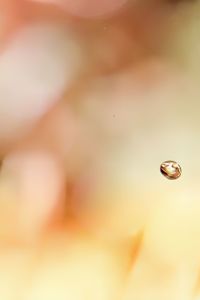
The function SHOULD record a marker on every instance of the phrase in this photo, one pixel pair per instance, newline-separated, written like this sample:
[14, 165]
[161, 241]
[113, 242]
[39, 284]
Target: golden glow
[84, 212]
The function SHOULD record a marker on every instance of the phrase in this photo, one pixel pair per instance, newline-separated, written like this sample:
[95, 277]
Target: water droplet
[170, 169]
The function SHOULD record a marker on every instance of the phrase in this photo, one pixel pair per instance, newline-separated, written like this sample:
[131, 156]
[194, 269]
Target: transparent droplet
[170, 169]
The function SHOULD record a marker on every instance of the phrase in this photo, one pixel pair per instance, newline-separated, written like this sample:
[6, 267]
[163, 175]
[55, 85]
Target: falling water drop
[170, 169]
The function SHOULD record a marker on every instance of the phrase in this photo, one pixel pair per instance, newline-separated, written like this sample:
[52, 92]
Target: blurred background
[94, 96]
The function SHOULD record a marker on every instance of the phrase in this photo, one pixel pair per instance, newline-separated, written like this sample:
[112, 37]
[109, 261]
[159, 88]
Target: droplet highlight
[170, 169]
